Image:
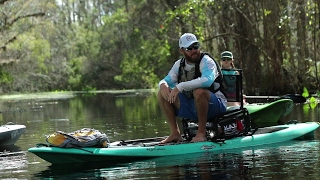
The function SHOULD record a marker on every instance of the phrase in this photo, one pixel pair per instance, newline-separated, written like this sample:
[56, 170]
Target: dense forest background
[57, 45]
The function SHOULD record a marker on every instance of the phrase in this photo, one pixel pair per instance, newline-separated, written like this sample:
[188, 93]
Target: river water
[136, 114]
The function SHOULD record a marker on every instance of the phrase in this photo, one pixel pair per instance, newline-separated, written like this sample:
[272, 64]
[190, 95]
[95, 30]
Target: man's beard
[193, 58]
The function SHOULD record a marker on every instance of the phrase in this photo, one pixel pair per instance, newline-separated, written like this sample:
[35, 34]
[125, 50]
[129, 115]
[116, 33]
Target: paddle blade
[296, 98]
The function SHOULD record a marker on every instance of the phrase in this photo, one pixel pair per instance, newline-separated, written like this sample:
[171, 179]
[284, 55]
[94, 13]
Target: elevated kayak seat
[232, 123]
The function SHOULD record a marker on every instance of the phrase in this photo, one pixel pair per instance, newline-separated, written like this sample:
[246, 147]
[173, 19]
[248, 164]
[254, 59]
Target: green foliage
[87, 42]
[266, 12]
[85, 51]
[75, 45]
[313, 100]
[305, 92]
[74, 81]
[88, 88]
[118, 17]
[5, 77]
[192, 11]
[74, 72]
[138, 71]
[38, 50]
[142, 51]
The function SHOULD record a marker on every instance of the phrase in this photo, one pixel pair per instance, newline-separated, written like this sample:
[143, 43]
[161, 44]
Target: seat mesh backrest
[232, 82]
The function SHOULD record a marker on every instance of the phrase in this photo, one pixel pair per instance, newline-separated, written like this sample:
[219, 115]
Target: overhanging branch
[25, 16]
[3, 1]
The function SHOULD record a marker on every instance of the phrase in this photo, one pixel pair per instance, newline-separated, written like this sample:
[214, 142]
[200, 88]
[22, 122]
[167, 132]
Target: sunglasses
[194, 46]
[226, 59]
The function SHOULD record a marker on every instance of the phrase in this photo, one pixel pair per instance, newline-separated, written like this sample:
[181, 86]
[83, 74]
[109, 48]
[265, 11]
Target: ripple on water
[12, 163]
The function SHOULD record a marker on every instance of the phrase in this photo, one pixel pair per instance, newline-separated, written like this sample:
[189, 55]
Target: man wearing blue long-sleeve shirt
[191, 89]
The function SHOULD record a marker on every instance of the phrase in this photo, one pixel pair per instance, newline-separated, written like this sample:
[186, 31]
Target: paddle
[138, 140]
[296, 98]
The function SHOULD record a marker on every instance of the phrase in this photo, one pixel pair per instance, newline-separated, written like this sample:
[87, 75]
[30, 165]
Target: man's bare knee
[198, 93]
[160, 97]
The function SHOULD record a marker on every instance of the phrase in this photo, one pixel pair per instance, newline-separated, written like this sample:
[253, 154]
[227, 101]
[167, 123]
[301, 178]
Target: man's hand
[165, 91]
[173, 95]
[168, 94]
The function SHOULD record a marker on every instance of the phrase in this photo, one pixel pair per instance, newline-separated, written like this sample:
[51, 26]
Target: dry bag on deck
[85, 137]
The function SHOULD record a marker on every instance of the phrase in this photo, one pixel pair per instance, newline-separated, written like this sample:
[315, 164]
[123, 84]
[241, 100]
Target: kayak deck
[132, 150]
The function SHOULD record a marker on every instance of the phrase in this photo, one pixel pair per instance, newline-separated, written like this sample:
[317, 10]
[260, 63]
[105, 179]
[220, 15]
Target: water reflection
[133, 115]
[195, 166]
[12, 161]
[288, 161]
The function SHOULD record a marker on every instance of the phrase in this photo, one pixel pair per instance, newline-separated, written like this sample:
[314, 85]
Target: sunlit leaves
[117, 17]
[305, 92]
[312, 100]
[266, 12]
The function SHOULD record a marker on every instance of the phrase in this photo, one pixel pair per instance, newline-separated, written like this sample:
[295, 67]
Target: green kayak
[132, 150]
[268, 114]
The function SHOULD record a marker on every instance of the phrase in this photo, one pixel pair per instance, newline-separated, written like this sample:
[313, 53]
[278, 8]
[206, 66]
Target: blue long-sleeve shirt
[209, 73]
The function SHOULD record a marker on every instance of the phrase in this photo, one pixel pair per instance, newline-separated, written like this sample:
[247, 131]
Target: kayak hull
[10, 133]
[263, 115]
[129, 153]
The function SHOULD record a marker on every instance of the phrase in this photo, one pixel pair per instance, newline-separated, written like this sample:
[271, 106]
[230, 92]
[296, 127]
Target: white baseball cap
[226, 54]
[187, 39]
